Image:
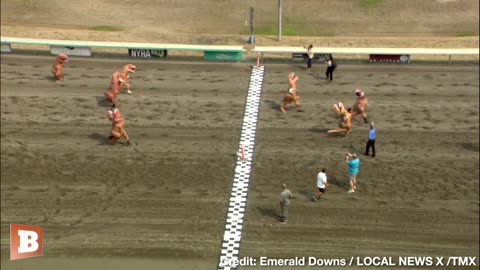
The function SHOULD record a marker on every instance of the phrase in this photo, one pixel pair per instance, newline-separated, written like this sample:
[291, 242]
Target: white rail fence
[232, 53]
[385, 54]
[82, 48]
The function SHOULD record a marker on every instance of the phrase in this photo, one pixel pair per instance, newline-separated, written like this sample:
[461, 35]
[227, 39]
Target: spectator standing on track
[309, 56]
[353, 165]
[321, 184]
[285, 197]
[331, 66]
[371, 140]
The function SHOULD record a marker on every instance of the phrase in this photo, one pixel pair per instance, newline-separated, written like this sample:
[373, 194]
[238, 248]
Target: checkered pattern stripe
[238, 198]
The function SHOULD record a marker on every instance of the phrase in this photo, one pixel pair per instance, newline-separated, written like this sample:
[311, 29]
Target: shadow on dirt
[102, 102]
[273, 104]
[101, 139]
[307, 194]
[471, 147]
[333, 181]
[319, 130]
[268, 212]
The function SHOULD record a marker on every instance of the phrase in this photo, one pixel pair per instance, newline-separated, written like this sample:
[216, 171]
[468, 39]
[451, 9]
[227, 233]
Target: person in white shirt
[310, 56]
[322, 183]
[331, 66]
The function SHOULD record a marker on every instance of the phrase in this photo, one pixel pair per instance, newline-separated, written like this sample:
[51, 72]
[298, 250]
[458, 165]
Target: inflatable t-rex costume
[127, 70]
[57, 68]
[118, 122]
[345, 124]
[117, 82]
[360, 106]
[291, 95]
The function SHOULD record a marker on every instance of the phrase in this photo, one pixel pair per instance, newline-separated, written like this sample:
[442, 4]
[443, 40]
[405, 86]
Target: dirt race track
[161, 202]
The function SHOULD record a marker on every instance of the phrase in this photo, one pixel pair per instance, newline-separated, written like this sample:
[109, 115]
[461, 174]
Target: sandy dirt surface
[178, 174]
[411, 196]
[161, 202]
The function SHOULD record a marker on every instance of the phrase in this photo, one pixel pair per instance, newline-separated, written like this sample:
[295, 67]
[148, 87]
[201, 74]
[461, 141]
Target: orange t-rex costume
[127, 70]
[118, 122]
[57, 68]
[360, 106]
[339, 108]
[118, 80]
[345, 124]
[291, 95]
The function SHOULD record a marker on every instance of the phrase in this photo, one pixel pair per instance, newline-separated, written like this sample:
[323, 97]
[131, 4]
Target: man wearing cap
[360, 106]
[371, 140]
[57, 68]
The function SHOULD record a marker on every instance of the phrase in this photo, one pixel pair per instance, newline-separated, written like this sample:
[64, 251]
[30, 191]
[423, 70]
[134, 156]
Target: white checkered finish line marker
[238, 198]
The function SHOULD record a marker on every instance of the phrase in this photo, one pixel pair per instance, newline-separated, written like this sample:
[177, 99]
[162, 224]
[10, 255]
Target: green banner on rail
[225, 56]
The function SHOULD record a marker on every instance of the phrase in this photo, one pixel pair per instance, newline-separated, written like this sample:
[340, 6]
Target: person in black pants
[371, 140]
[309, 56]
[331, 65]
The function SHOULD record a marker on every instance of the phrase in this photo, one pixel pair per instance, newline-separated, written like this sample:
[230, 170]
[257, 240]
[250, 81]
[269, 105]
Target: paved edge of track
[230, 249]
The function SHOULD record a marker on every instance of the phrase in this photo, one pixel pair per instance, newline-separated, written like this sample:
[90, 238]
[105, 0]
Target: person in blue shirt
[353, 164]
[371, 140]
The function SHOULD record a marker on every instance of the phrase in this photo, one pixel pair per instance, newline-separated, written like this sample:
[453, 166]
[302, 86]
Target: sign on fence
[220, 55]
[316, 56]
[389, 58]
[147, 53]
[6, 47]
[76, 51]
